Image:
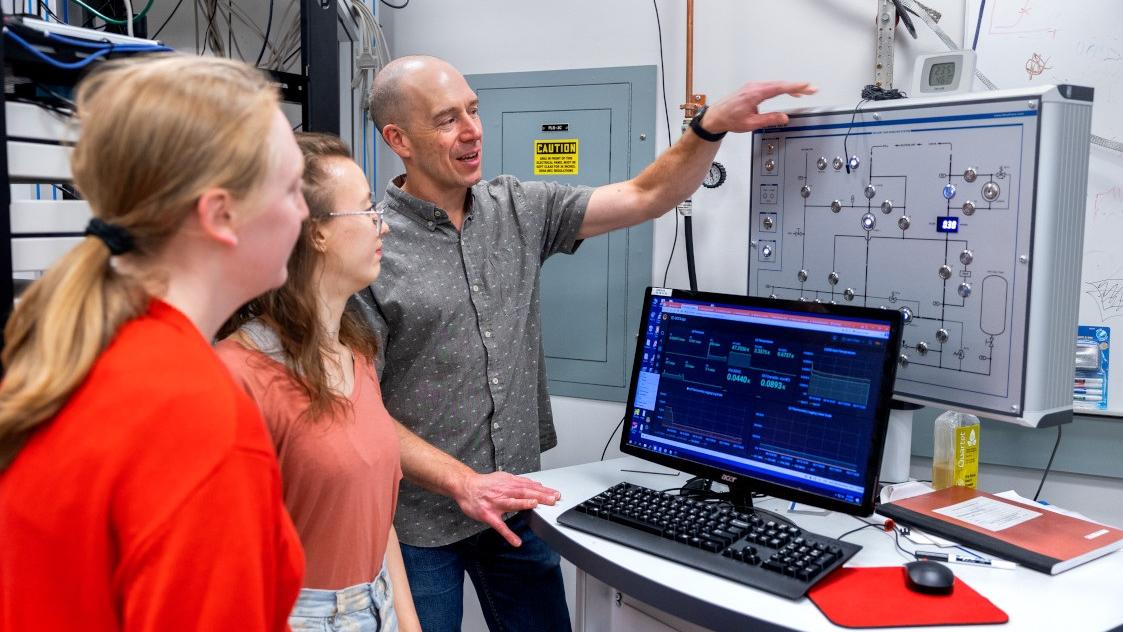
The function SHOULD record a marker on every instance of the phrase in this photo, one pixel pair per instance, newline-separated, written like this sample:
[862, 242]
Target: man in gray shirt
[456, 309]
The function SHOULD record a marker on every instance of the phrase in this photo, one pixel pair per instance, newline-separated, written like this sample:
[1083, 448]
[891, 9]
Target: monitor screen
[782, 397]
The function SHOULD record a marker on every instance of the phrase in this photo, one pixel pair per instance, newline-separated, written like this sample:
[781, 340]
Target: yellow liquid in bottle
[943, 475]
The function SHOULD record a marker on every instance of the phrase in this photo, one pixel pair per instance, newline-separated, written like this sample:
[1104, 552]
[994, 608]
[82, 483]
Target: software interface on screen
[784, 396]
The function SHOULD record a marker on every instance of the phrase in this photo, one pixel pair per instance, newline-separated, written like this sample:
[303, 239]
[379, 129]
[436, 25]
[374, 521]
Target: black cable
[979, 24]
[265, 40]
[667, 118]
[403, 5]
[166, 20]
[1049, 465]
[864, 526]
[609, 442]
[688, 239]
[845, 151]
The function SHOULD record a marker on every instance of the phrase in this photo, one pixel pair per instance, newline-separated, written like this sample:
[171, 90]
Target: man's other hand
[486, 497]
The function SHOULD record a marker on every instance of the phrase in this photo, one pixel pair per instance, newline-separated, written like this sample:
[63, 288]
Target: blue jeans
[360, 608]
[519, 588]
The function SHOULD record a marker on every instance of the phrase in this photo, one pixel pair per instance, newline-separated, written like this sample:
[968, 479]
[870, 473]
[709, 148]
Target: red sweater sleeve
[217, 563]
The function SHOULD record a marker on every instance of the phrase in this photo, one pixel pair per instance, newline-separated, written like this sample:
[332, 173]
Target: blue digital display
[947, 224]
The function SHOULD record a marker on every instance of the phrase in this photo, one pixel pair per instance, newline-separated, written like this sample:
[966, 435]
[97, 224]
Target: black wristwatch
[696, 125]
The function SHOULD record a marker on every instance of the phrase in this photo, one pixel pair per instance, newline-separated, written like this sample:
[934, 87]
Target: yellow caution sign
[556, 157]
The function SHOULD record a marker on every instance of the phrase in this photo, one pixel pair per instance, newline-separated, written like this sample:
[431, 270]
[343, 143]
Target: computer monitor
[782, 397]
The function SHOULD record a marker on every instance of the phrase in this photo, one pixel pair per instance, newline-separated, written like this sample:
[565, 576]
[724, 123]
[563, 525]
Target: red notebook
[1034, 537]
[878, 598]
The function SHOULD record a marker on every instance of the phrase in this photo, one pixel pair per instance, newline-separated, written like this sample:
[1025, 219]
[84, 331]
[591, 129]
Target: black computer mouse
[927, 576]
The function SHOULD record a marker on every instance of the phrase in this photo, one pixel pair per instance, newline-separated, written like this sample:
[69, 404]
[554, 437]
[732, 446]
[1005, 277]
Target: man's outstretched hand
[740, 111]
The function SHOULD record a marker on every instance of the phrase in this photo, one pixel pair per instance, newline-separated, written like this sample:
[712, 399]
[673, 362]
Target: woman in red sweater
[136, 477]
[307, 359]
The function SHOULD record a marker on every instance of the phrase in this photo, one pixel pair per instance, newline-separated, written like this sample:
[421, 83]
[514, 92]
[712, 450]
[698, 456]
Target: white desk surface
[1088, 597]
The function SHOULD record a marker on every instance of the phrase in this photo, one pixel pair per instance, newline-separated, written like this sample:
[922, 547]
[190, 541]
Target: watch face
[715, 177]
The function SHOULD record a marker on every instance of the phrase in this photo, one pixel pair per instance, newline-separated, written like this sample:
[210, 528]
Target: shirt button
[487, 334]
[498, 468]
[475, 288]
[495, 425]
[430, 224]
[437, 214]
[494, 380]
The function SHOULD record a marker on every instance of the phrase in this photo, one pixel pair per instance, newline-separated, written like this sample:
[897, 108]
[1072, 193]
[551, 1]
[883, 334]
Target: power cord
[609, 442]
[1049, 465]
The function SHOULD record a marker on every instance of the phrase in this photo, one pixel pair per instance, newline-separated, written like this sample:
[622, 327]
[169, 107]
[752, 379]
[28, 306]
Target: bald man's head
[393, 87]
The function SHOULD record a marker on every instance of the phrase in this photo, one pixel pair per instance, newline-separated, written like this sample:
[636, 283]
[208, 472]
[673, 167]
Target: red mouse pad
[877, 597]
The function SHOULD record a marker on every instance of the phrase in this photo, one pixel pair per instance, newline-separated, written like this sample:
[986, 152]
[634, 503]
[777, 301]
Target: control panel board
[934, 208]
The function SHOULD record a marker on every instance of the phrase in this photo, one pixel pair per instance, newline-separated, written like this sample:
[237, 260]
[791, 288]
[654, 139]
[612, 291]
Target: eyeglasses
[372, 211]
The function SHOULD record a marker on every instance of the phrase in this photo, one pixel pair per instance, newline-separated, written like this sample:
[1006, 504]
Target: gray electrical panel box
[592, 127]
[965, 213]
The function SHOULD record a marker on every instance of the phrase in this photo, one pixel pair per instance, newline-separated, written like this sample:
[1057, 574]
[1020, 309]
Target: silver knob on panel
[832, 278]
[871, 191]
[770, 148]
[922, 348]
[767, 222]
[966, 257]
[836, 206]
[942, 335]
[766, 252]
[968, 208]
[969, 174]
[869, 221]
[848, 294]
[906, 315]
[769, 165]
[903, 360]
[821, 163]
[944, 272]
[991, 191]
[964, 290]
[805, 191]
[837, 163]
[903, 222]
[801, 275]
[803, 299]
[771, 296]
[887, 207]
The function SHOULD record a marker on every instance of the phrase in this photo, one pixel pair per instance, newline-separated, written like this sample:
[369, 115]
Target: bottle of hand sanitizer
[955, 450]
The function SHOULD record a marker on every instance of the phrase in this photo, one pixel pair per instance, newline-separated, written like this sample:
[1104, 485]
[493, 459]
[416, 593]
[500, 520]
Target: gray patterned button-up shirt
[458, 320]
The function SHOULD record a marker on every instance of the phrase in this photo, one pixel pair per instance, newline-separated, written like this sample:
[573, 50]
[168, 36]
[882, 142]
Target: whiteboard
[1033, 42]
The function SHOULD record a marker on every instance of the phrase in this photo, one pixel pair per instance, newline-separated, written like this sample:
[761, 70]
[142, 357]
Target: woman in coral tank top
[307, 358]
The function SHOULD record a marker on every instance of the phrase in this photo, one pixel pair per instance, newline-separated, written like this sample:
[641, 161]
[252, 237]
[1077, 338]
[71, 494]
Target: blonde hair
[155, 134]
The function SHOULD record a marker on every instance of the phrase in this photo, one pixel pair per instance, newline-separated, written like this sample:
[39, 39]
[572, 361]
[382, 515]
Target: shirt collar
[427, 213]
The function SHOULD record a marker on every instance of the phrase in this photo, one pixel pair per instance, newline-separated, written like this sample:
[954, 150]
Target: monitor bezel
[742, 484]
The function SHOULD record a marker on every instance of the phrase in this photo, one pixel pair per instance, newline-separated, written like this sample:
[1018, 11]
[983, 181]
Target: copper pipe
[693, 101]
[689, 56]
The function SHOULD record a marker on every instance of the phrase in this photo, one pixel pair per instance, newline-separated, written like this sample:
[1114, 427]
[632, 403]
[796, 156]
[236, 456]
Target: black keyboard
[746, 547]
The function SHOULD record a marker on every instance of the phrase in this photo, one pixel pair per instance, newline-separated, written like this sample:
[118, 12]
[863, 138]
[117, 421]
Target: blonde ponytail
[156, 133]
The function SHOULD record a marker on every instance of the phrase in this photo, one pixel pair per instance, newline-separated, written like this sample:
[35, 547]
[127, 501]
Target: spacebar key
[636, 524]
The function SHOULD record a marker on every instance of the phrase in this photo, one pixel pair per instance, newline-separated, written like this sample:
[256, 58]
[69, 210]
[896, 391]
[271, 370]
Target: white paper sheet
[985, 513]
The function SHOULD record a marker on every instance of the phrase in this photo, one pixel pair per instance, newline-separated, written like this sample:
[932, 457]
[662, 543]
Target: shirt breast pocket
[507, 275]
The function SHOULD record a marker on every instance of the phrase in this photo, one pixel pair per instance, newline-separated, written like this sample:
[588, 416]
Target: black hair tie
[116, 238]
